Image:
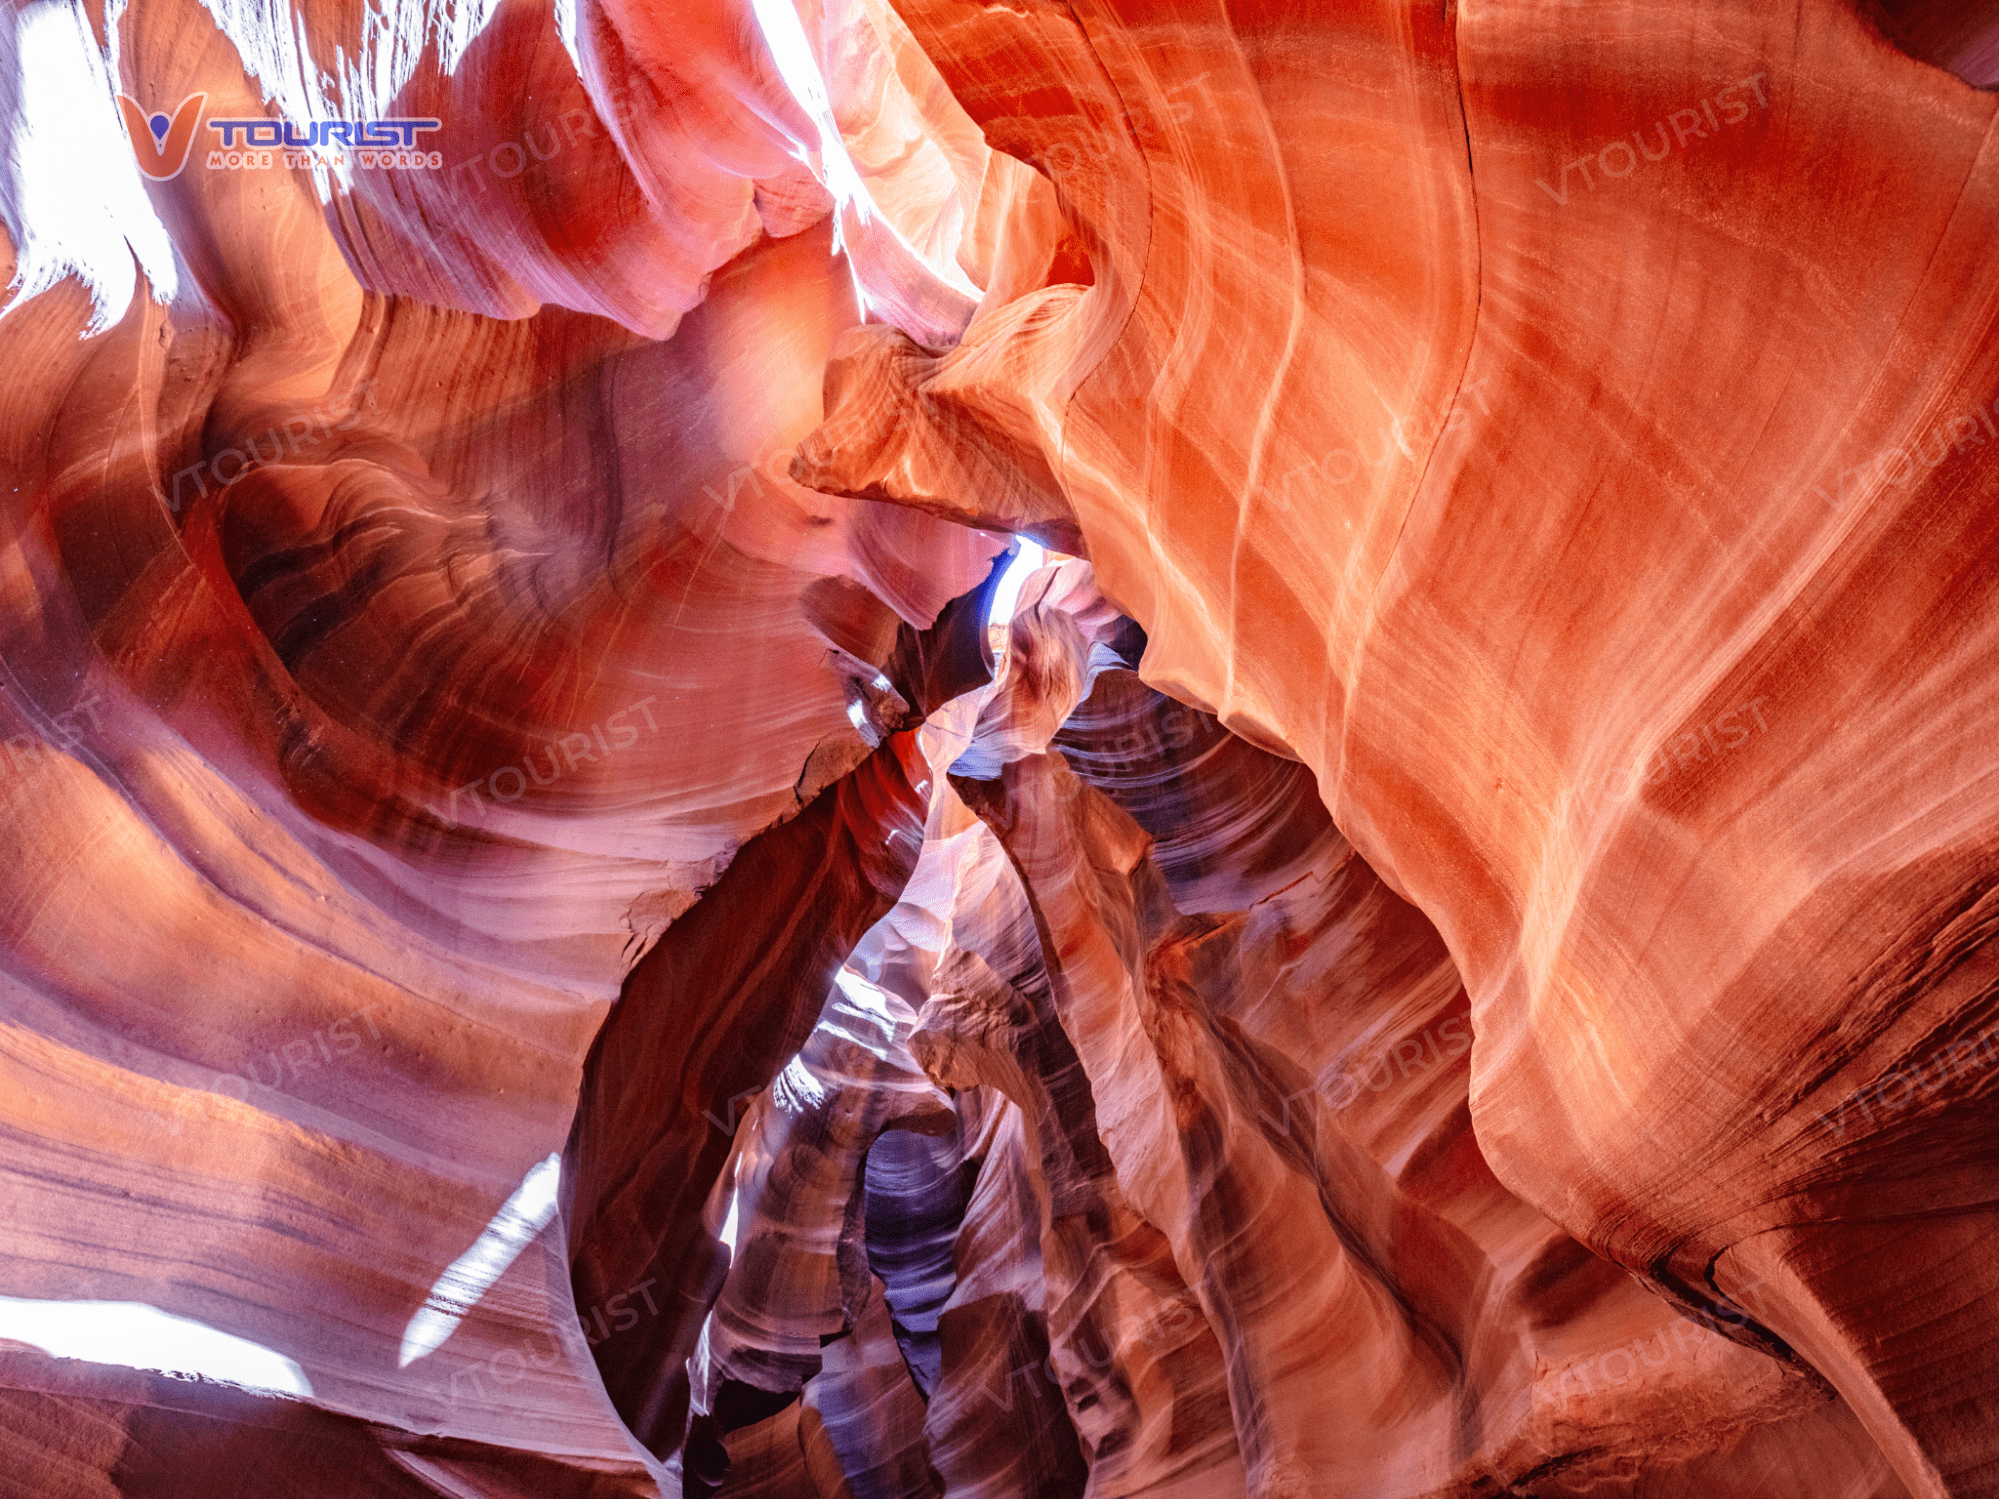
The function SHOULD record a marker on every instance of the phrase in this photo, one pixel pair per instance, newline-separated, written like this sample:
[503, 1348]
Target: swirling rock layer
[581, 914]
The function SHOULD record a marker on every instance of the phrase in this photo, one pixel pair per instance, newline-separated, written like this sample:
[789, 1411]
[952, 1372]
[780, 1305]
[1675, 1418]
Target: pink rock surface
[1442, 946]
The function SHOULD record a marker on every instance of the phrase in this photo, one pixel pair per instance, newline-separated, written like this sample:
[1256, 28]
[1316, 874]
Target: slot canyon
[999, 747]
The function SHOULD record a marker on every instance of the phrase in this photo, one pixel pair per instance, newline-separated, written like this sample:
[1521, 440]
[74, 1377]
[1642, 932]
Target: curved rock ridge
[1126, 1262]
[593, 157]
[893, 747]
[374, 656]
[1457, 441]
[1322, 1034]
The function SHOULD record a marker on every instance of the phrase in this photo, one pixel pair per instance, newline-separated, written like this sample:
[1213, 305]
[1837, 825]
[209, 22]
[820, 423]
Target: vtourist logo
[163, 144]
[323, 143]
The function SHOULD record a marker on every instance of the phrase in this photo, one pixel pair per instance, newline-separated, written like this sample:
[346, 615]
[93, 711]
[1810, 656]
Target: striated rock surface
[586, 909]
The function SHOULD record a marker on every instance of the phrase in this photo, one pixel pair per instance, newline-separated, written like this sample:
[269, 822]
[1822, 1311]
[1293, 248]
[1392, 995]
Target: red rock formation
[1316, 1040]
[1454, 441]
[1449, 954]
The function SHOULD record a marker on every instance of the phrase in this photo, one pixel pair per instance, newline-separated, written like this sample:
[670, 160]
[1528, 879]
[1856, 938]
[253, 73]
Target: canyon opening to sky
[1054, 747]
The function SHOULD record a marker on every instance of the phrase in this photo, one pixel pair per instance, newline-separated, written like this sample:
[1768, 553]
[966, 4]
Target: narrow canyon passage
[898, 747]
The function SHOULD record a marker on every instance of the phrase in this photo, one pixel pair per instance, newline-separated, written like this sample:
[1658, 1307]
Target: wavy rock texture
[1455, 440]
[1441, 946]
